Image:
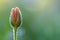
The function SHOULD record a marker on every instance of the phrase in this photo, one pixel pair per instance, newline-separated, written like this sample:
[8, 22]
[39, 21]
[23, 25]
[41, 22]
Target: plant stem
[14, 33]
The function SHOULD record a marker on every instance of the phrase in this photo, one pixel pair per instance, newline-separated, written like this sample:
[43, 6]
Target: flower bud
[15, 17]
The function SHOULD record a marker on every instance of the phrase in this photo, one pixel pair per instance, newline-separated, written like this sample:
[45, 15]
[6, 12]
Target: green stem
[14, 33]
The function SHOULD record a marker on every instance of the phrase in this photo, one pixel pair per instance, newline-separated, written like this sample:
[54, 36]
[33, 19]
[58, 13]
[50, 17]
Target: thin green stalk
[14, 34]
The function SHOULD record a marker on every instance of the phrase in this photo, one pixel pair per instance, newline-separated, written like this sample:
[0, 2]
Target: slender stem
[14, 33]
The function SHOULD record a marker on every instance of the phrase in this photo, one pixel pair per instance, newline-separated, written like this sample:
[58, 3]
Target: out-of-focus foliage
[41, 19]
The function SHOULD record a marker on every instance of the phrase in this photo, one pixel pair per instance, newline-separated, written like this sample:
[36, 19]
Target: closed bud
[15, 17]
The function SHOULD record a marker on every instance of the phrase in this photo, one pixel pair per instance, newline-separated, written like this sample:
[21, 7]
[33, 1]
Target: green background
[41, 19]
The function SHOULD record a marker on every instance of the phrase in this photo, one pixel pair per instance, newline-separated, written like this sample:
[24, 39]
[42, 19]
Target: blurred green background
[41, 19]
